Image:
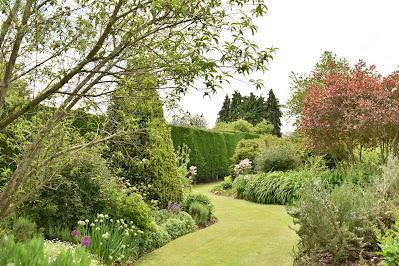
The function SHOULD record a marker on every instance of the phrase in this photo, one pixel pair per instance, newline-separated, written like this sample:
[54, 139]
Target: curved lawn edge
[246, 233]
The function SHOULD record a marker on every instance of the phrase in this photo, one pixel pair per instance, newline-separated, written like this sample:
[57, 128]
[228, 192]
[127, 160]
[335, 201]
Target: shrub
[277, 158]
[175, 224]
[75, 195]
[199, 212]
[201, 198]
[211, 151]
[246, 149]
[338, 227]
[155, 238]
[179, 226]
[122, 202]
[264, 127]
[23, 229]
[239, 186]
[32, 253]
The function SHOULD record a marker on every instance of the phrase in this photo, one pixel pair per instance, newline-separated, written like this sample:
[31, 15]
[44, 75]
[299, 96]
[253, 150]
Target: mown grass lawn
[246, 234]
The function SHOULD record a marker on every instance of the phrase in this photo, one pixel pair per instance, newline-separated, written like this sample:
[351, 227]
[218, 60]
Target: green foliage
[202, 199]
[111, 240]
[176, 224]
[223, 187]
[121, 201]
[74, 195]
[210, 151]
[264, 127]
[180, 226]
[276, 187]
[339, 226]
[155, 238]
[23, 229]
[273, 113]
[144, 155]
[277, 158]
[389, 244]
[183, 160]
[253, 109]
[32, 253]
[199, 212]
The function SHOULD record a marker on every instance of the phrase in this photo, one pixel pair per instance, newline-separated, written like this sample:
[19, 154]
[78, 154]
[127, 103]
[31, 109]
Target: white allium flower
[92, 224]
[87, 221]
[105, 236]
[81, 223]
[106, 216]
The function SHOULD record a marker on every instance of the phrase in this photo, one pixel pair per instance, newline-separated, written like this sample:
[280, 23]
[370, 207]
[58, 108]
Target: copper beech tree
[347, 111]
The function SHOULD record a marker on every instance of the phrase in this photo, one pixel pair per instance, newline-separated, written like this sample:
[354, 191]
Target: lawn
[246, 234]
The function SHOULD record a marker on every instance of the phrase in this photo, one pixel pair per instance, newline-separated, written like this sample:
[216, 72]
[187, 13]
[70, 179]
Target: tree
[328, 62]
[189, 120]
[147, 158]
[224, 113]
[75, 53]
[273, 113]
[352, 111]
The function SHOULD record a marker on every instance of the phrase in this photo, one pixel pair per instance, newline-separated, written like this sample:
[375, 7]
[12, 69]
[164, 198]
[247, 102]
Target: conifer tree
[224, 113]
[273, 113]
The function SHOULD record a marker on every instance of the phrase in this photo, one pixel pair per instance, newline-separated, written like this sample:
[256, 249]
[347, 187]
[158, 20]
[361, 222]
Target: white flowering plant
[243, 167]
[113, 241]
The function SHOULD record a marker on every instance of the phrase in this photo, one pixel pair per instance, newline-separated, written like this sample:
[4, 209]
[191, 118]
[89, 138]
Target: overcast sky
[302, 30]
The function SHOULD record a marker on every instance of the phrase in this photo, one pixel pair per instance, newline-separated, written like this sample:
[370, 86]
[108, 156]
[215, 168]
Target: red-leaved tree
[352, 110]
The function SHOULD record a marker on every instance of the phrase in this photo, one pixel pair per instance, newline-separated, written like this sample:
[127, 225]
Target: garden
[92, 173]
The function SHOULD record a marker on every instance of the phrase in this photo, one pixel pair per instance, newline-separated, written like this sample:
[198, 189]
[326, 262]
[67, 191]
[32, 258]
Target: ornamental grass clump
[113, 241]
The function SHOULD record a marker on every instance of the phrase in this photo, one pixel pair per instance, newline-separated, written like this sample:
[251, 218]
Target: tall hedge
[211, 151]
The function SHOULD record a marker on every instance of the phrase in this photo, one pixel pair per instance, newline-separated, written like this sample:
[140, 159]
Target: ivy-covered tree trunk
[145, 156]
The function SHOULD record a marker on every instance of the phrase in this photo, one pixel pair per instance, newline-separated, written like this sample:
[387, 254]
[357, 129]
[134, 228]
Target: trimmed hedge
[211, 151]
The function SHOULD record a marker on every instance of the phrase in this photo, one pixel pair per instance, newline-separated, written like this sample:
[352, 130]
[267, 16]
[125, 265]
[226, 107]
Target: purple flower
[75, 234]
[86, 240]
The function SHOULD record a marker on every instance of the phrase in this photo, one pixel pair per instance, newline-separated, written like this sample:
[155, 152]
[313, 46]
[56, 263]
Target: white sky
[303, 30]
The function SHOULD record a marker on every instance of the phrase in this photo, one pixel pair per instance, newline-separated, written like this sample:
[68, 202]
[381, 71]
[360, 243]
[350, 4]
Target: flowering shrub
[243, 167]
[111, 240]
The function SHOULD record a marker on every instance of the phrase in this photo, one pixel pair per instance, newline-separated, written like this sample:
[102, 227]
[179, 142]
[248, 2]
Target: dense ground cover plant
[32, 253]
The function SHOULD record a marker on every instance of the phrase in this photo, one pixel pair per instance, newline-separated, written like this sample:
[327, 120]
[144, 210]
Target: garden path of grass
[246, 234]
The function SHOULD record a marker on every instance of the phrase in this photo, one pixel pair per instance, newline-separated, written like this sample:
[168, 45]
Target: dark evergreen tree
[224, 113]
[273, 113]
[235, 107]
